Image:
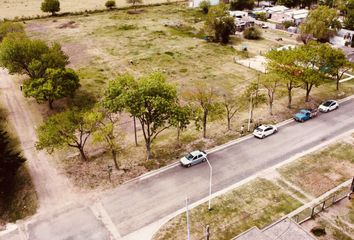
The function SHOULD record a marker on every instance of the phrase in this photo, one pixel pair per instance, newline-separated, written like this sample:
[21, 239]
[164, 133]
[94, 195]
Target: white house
[238, 14]
[298, 15]
[195, 3]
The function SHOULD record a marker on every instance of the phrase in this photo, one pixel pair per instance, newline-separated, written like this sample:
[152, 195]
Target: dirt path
[53, 189]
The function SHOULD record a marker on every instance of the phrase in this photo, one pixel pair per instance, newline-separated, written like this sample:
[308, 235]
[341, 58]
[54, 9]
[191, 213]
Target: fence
[320, 207]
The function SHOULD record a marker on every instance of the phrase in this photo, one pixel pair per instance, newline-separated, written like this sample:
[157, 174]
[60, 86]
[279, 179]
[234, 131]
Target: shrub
[204, 6]
[252, 33]
[10, 27]
[288, 24]
[262, 16]
[318, 231]
[51, 6]
[110, 4]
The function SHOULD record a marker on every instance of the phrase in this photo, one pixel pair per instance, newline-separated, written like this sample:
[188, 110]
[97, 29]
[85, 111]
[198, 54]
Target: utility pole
[188, 226]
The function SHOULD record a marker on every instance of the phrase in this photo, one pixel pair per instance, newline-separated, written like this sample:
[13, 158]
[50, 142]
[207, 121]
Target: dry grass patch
[258, 203]
[319, 172]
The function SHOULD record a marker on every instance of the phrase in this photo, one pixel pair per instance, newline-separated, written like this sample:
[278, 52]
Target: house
[297, 15]
[195, 3]
[238, 14]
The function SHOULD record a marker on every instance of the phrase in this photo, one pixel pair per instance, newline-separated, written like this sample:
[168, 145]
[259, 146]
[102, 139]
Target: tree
[10, 161]
[232, 104]
[321, 23]
[204, 6]
[106, 132]
[206, 103]
[220, 24]
[134, 3]
[52, 6]
[71, 128]
[10, 27]
[150, 99]
[271, 83]
[252, 33]
[282, 64]
[252, 93]
[110, 4]
[241, 4]
[22, 55]
[54, 85]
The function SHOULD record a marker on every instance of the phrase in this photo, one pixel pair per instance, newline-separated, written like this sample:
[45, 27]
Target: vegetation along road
[134, 205]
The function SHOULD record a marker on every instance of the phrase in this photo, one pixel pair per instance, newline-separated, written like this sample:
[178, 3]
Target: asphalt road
[139, 203]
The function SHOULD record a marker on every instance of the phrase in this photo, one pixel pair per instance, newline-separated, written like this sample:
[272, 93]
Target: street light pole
[188, 227]
[249, 112]
[210, 182]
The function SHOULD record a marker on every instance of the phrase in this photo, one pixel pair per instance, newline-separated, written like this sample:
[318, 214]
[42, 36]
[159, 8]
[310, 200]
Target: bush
[51, 6]
[204, 6]
[252, 33]
[288, 24]
[241, 4]
[262, 16]
[10, 27]
[110, 4]
[318, 231]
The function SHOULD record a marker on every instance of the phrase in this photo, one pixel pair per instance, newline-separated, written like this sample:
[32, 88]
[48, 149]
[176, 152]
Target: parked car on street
[328, 106]
[305, 114]
[193, 158]
[264, 131]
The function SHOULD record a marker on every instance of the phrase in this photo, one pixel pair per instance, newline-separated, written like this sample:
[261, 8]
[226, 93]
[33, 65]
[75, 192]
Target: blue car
[305, 114]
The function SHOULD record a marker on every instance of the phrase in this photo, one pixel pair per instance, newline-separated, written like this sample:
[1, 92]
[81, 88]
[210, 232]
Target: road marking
[101, 214]
[148, 231]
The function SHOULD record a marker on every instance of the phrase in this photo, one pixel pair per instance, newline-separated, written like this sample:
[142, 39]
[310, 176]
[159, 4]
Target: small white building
[196, 3]
[238, 14]
[298, 15]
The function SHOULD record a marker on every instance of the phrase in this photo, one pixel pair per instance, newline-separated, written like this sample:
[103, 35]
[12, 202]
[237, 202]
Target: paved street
[139, 203]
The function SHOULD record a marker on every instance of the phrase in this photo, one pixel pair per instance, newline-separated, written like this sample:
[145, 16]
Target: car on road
[264, 131]
[328, 106]
[305, 114]
[193, 158]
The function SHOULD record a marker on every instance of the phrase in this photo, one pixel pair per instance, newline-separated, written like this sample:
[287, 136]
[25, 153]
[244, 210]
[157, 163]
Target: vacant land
[257, 203]
[28, 8]
[319, 172]
[168, 39]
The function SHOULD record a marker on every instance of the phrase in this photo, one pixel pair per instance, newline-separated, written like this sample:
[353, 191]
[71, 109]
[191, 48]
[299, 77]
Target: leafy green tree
[71, 128]
[220, 24]
[10, 161]
[321, 23]
[110, 4]
[134, 3]
[22, 55]
[252, 33]
[52, 6]
[204, 6]
[106, 132]
[349, 20]
[241, 4]
[54, 85]
[253, 94]
[150, 99]
[10, 27]
[282, 64]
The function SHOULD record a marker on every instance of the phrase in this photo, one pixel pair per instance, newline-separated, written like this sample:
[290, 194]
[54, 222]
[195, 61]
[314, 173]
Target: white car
[264, 131]
[193, 158]
[328, 106]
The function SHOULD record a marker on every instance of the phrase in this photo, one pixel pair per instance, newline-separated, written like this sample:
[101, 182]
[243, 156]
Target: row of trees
[308, 66]
[48, 78]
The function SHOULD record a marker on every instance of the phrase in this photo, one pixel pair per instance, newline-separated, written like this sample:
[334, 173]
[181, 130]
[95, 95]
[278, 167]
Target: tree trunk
[135, 135]
[82, 154]
[178, 133]
[114, 156]
[205, 116]
[228, 123]
[290, 97]
[148, 150]
[50, 104]
[337, 85]
[271, 107]
[308, 90]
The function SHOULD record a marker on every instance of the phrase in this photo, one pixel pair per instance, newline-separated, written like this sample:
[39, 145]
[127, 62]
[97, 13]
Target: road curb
[218, 148]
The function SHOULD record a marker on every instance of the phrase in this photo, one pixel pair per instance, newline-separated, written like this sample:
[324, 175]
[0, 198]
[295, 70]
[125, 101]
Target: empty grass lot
[257, 203]
[319, 172]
